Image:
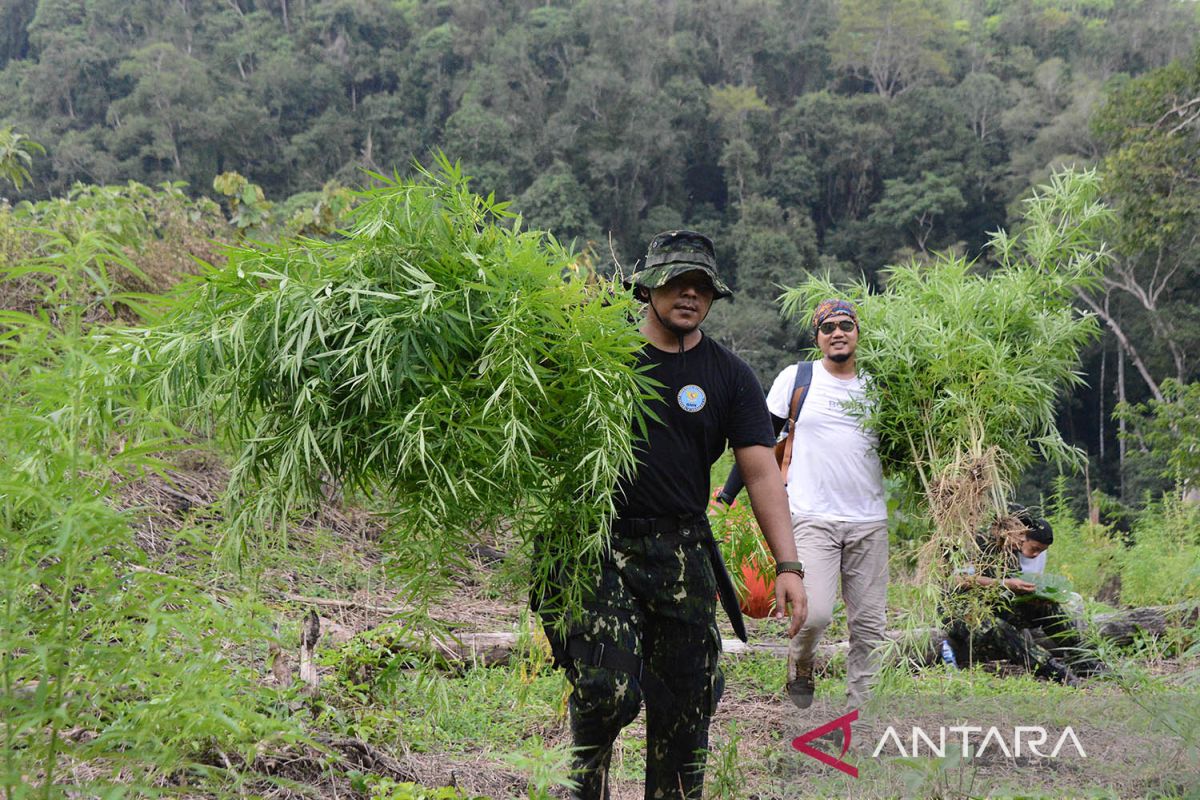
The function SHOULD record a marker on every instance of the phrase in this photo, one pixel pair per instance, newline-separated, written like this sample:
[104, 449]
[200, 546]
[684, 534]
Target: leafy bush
[368, 659]
[126, 239]
[436, 358]
[1169, 430]
[1087, 555]
[1156, 563]
[967, 364]
[109, 671]
[1162, 566]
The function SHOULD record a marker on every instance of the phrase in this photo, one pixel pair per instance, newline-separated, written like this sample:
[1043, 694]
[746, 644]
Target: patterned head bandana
[831, 308]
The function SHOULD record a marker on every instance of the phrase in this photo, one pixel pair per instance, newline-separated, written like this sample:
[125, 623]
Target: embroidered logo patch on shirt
[691, 398]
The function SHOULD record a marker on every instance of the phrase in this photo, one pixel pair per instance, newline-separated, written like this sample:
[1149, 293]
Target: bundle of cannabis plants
[437, 360]
[968, 360]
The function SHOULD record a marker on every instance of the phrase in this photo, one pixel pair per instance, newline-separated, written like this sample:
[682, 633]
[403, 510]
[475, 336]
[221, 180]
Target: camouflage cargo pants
[655, 599]
[1009, 636]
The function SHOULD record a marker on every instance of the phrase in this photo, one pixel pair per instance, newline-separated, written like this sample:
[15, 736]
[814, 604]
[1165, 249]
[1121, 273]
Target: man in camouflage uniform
[1009, 637]
[648, 630]
[1015, 548]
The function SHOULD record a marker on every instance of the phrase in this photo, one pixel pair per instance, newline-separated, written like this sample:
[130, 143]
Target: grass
[493, 711]
[503, 732]
[1113, 727]
[134, 661]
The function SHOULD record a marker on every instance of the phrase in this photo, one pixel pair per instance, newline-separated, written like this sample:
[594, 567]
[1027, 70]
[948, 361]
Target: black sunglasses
[846, 325]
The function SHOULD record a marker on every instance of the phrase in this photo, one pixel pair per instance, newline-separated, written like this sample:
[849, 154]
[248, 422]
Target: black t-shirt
[711, 399]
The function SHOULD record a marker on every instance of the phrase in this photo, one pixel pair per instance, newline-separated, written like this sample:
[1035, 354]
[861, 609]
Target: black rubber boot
[1056, 670]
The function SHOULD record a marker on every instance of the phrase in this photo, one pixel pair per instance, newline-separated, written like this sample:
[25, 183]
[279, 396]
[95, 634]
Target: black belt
[688, 528]
[683, 527]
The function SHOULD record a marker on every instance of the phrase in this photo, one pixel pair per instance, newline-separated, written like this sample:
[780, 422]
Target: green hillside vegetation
[806, 135]
[272, 364]
[138, 658]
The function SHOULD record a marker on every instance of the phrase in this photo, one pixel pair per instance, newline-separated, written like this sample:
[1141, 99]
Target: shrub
[438, 358]
[109, 672]
[149, 238]
[1162, 566]
[1087, 555]
[967, 364]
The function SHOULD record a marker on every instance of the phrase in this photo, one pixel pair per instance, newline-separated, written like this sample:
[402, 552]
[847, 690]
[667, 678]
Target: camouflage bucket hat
[673, 253]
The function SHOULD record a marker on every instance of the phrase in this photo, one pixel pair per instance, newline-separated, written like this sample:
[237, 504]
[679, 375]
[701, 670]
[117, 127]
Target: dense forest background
[803, 135]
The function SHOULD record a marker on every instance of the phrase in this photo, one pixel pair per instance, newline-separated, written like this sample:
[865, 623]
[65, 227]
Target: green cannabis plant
[140, 240]
[968, 360]
[112, 677]
[437, 359]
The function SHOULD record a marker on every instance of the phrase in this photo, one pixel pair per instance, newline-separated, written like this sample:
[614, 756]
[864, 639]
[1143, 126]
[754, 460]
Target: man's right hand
[1019, 586]
[790, 594]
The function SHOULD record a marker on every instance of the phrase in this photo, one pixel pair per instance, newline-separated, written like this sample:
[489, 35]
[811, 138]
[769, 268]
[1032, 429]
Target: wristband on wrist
[795, 567]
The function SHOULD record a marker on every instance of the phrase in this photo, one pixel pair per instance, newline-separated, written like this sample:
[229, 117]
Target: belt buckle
[689, 528]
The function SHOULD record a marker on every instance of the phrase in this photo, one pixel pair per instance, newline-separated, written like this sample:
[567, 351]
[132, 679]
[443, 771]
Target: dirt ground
[1130, 752]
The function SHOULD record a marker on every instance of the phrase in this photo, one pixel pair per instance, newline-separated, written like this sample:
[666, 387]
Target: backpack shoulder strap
[804, 370]
[783, 451]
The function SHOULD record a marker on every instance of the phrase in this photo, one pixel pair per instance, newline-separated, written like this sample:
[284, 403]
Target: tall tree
[731, 108]
[165, 117]
[848, 142]
[893, 44]
[558, 203]
[1152, 180]
[917, 207]
[15, 16]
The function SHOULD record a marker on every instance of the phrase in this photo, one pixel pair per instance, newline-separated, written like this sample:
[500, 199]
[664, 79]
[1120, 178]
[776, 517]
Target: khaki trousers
[858, 553]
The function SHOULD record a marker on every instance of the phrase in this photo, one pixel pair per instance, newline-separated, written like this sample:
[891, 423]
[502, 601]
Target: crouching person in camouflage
[648, 630]
[1013, 549]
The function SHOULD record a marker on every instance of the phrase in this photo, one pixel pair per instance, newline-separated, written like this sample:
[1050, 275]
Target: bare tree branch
[1178, 111]
[1126, 344]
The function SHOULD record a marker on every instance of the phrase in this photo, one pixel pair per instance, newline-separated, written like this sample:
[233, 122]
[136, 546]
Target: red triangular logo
[801, 743]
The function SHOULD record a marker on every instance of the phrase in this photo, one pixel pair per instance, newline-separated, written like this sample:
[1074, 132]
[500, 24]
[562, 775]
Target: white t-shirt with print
[835, 472]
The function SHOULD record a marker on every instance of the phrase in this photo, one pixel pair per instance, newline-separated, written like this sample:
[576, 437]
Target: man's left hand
[790, 594]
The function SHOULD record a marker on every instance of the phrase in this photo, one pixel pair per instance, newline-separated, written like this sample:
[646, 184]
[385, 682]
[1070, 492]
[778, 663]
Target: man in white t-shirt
[837, 503]
[839, 511]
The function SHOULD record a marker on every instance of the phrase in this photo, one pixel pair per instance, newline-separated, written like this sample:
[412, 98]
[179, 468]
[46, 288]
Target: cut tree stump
[281, 668]
[310, 633]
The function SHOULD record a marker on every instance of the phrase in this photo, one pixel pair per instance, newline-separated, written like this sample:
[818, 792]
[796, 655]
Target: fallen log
[1122, 626]
[494, 648]
[920, 646]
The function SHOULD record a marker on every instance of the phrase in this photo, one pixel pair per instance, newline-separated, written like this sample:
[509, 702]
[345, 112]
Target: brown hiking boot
[800, 684]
